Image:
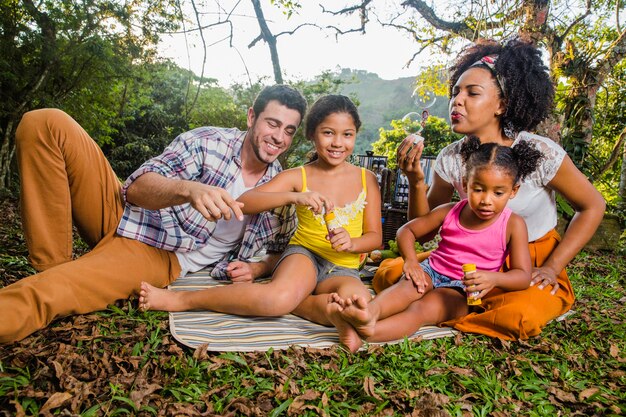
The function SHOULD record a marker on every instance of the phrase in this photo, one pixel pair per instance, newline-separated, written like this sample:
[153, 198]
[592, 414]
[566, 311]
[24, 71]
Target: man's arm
[154, 191]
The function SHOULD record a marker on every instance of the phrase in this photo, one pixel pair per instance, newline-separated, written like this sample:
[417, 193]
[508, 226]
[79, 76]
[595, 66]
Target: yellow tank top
[311, 232]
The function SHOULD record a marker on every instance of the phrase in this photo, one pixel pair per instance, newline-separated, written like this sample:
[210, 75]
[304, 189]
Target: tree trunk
[621, 193]
[7, 150]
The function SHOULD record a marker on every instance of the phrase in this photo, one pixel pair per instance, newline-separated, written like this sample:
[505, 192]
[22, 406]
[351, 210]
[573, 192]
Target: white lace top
[535, 201]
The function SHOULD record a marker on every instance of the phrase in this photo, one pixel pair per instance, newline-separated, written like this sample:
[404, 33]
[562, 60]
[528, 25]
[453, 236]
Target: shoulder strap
[303, 179]
[363, 180]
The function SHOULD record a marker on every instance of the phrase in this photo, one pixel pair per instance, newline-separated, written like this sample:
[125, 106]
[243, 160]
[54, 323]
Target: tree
[585, 42]
[53, 52]
[225, 17]
[156, 110]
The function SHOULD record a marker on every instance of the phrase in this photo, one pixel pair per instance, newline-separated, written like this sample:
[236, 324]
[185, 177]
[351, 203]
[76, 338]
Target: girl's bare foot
[348, 336]
[357, 313]
[153, 298]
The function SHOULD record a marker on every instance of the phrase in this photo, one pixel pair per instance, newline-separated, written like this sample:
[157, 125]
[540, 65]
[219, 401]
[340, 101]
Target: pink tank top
[486, 247]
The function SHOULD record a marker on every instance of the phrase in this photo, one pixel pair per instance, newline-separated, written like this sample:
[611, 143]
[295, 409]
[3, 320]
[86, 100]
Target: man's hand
[212, 202]
[239, 271]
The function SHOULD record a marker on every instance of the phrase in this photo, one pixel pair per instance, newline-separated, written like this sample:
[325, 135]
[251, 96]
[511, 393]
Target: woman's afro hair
[529, 91]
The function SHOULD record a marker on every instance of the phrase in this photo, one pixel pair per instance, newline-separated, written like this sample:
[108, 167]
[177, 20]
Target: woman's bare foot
[357, 313]
[153, 298]
[348, 336]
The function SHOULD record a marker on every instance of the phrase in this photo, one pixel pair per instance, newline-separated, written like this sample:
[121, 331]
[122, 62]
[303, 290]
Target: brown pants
[508, 315]
[65, 178]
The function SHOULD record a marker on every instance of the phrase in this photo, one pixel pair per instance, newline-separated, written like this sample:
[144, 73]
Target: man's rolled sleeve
[181, 159]
[288, 223]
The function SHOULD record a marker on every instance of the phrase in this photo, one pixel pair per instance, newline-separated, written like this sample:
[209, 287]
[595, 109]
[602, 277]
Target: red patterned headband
[489, 61]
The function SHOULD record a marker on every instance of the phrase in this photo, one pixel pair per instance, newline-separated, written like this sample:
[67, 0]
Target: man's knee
[32, 121]
[22, 310]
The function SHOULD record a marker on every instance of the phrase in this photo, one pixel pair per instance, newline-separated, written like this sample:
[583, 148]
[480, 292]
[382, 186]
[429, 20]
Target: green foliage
[161, 102]
[437, 135]
[382, 101]
[73, 55]
[609, 124]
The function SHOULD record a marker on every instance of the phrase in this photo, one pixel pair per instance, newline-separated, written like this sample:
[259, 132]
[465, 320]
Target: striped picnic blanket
[227, 332]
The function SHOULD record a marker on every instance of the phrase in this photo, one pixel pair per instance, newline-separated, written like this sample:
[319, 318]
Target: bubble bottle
[472, 300]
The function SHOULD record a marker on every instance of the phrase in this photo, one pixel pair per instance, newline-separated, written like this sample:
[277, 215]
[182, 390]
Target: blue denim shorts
[325, 269]
[440, 280]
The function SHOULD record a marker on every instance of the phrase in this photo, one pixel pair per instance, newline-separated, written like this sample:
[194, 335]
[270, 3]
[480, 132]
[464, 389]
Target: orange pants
[65, 178]
[508, 315]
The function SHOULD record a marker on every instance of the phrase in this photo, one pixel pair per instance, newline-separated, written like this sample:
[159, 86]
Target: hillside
[381, 101]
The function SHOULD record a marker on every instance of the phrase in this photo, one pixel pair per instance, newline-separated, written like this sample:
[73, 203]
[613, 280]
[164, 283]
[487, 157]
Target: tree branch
[270, 39]
[362, 8]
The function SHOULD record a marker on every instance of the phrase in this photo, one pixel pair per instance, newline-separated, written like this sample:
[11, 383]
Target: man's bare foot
[153, 298]
[356, 312]
[348, 336]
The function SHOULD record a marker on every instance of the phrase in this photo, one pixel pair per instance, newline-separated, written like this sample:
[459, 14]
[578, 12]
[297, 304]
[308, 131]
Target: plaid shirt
[212, 156]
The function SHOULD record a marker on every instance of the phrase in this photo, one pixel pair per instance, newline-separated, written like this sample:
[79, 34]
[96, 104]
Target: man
[176, 214]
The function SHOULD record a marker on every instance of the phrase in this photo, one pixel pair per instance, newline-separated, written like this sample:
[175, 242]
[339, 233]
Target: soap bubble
[424, 97]
[412, 123]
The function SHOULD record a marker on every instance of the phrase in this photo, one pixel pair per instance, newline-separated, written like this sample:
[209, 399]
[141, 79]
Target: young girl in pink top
[479, 230]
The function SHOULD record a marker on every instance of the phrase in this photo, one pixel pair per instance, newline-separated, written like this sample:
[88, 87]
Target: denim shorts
[440, 280]
[325, 269]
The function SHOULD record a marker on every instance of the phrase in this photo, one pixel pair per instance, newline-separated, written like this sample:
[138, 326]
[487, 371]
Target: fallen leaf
[461, 371]
[55, 401]
[19, 411]
[561, 395]
[592, 352]
[586, 393]
[614, 350]
[368, 386]
[138, 395]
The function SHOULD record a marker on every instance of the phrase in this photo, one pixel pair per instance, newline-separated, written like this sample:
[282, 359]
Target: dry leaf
[55, 401]
[561, 395]
[586, 393]
[368, 386]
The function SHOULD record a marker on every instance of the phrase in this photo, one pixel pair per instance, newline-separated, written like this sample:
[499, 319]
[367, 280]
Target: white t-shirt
[535, 202]
[227, 235]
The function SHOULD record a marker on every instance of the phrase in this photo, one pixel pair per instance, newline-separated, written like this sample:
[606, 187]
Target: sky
[303, 55]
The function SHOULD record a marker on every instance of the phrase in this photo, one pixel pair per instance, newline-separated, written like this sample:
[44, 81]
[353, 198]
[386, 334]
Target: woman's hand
[314, 200]
[545, 276]
[340, 240]
[409, 154]
[413, 271]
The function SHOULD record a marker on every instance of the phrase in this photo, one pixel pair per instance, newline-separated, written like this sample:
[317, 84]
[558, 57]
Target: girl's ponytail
[528, 158]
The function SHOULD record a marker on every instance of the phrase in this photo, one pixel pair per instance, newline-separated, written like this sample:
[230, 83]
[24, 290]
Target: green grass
[125, 362]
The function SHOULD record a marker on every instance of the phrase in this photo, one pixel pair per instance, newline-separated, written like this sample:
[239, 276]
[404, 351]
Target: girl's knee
[279, 302]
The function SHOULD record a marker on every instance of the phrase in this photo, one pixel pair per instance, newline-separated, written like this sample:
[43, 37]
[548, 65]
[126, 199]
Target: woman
[500, 93]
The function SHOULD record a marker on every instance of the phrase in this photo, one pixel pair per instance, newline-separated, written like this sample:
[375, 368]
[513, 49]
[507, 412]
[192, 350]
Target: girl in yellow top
[321, 262]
